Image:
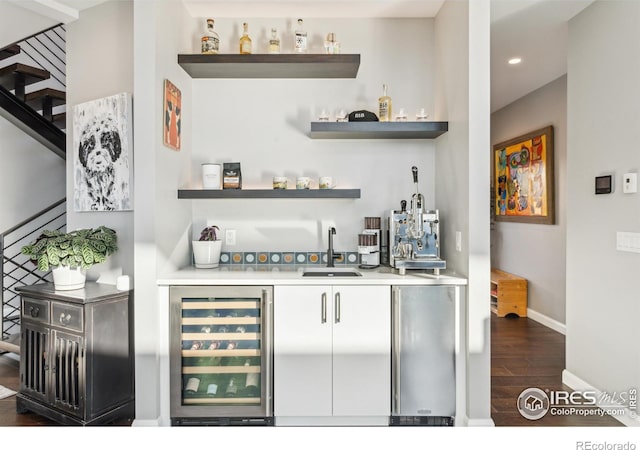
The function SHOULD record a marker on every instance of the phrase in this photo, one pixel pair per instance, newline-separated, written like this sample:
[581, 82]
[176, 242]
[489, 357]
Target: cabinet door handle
[323, 308]
[34, 311]
[337, 306]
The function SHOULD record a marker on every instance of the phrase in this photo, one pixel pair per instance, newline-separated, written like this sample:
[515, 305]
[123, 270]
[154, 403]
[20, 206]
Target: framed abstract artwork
[102, 146]
[172, 115]
[523, 178]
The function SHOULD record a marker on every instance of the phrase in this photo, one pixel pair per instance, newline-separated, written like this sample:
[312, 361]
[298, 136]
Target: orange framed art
[172, 117]
[523, 178]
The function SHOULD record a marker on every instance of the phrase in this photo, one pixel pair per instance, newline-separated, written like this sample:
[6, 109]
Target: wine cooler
[221, 355]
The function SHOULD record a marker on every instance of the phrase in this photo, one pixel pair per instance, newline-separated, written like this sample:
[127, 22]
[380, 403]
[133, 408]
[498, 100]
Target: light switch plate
[628, 242]
[630, 183]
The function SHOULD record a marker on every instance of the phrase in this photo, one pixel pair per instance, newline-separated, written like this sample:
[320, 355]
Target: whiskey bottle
[384, 106]
[210, 40]
[245, 40]
[274, 42]
[300, 45]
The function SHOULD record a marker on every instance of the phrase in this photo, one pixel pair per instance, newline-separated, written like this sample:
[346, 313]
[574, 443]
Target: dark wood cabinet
[76, 354]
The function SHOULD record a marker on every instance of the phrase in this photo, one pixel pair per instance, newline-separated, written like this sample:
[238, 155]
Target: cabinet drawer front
[35, 310]
[67, 316]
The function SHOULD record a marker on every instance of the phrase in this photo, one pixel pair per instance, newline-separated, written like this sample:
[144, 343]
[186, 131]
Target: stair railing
[17, 269]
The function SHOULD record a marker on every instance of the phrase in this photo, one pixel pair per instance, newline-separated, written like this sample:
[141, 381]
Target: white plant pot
[66, 279]
[206, 253]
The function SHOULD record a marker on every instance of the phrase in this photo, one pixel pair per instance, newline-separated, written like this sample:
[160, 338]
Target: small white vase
[66, 279]
[206, 253]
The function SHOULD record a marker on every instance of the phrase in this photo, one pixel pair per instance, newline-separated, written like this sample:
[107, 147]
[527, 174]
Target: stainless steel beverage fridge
[423, 355]
[221, 355]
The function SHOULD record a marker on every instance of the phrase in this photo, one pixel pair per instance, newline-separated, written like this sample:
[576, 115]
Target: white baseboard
[547, 321]
[146, 423]
[480, 423]
[629, 419]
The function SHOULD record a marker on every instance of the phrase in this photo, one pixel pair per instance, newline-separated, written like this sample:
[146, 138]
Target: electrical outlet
[458, 241]
[230, 237]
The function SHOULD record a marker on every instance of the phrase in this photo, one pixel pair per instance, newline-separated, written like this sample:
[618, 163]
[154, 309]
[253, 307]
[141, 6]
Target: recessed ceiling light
[515, 61]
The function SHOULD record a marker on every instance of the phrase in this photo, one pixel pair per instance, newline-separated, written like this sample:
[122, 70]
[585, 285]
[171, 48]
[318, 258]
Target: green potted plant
[69, 255]
[206, 250]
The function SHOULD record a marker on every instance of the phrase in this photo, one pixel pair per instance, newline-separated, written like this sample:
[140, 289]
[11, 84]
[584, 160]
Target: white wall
[264, 124]
[602, 136]
[537, 252]
[161, 221]
[462, 178]
[100, 64]
[33, 177]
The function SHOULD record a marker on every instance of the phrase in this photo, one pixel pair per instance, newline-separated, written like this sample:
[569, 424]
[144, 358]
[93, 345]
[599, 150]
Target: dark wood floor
[524, 354]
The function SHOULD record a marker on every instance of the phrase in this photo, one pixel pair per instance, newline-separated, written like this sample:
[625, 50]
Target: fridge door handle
[266, 388]
[323, 308]
[396, 327]
[337, 306]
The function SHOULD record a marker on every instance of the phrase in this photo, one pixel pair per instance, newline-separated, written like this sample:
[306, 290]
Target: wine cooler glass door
[220, 351]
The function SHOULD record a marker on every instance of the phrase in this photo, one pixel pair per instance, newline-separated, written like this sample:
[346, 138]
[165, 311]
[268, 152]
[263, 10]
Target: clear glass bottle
[300, 45]
[384, 106]
[245, 40]
[331, 46]
[274, 42]
[210, 40]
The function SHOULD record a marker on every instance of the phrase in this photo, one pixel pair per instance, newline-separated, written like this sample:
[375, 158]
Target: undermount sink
[331, 272]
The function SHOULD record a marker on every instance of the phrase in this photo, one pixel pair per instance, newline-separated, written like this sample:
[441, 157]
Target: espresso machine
[414, 235]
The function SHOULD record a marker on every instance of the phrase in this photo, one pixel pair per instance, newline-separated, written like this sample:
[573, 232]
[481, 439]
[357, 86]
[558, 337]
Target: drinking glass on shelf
[401, 116]
[421, 115]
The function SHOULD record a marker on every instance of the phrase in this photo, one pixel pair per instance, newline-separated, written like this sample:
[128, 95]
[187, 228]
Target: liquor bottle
[384, 106]
[251, 388]
[210, 40]
[331, 46]
[300, 45]
[245, 40]
[274, 42]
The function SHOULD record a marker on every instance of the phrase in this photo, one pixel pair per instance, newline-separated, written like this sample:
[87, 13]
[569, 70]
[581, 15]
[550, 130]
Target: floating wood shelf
[270, 66]
[378, 130]
[268, 193]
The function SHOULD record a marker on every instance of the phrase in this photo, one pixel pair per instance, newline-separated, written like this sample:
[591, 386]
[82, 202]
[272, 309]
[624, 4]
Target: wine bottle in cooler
[232, 388]
[252, 383]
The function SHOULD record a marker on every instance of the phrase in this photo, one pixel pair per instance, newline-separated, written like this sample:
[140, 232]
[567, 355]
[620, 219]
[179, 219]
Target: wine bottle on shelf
[196, 345]
[192, 385]
[251, 385]
[205, 329]
[232, 388]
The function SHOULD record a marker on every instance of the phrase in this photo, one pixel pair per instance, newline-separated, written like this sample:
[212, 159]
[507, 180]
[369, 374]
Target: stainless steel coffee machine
[414, 235]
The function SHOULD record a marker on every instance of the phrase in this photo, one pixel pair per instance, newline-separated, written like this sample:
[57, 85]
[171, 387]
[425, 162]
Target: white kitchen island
[353, 318]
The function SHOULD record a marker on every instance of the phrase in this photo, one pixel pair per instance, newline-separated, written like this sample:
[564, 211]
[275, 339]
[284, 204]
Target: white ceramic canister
[211, 176]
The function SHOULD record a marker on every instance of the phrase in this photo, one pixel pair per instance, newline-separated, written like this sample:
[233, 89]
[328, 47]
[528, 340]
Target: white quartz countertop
[292, 275]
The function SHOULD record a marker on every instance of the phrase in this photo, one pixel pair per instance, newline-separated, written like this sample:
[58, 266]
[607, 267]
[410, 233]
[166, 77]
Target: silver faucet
[331, 255]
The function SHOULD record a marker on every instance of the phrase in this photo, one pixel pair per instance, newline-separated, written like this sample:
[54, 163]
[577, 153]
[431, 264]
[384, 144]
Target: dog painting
[102, 156]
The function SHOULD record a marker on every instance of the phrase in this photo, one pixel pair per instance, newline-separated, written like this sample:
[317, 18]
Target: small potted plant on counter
[206, 250]
[69, 255]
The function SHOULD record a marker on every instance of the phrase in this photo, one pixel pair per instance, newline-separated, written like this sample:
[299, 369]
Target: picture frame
[523, 178]
[172, 116]
[103, 154]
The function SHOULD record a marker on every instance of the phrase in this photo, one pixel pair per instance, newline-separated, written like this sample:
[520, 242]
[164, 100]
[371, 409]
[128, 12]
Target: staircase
[32, 97]
[32, 83]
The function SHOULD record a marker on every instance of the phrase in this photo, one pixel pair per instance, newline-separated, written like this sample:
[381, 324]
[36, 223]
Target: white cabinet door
[302, 374]
[332, 350]
[361, 350]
